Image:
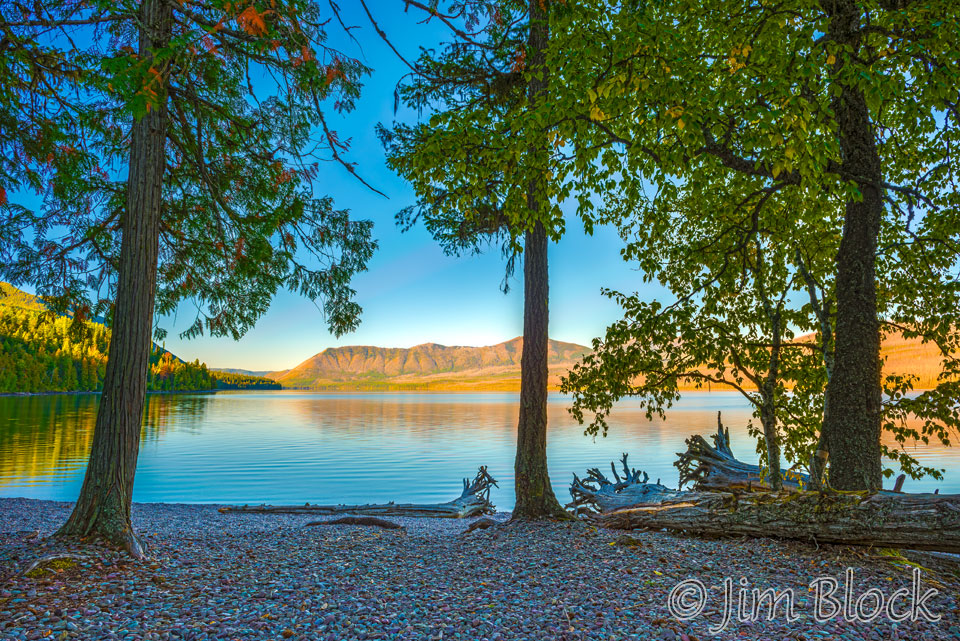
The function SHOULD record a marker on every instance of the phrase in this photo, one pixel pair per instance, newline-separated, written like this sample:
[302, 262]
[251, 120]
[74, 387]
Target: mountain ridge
[424, 366]
[436, 367]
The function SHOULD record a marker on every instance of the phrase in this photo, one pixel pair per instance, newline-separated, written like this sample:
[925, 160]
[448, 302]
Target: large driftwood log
[370, 521]
[715, 467]
[883, 519]
[597, 492]
[473, 501]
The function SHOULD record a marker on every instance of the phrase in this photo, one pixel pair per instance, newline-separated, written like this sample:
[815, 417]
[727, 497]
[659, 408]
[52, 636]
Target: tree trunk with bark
[535, 497]
[103, 507]
[821, 452]
[885, 519]
[771, 438]
[852, 423]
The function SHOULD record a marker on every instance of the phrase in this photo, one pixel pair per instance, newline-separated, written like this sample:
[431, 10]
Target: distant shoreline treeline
[41, 353]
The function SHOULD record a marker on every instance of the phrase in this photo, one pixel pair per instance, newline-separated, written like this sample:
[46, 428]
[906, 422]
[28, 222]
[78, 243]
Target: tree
[216, 206]
[483, 174]
[728, 265]
[842, 104]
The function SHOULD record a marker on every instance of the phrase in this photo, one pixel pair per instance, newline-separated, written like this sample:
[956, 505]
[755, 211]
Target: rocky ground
[231, 576]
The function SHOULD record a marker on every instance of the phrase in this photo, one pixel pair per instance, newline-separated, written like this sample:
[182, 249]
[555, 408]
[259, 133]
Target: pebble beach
[245, 576]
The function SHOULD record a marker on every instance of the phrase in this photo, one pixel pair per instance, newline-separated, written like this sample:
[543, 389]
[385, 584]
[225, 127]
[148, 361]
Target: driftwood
[705, 467]
[882, 519]
[480, 524]
[52, 563]
[715, 467]
[473, 501]
[597, 492]
[360, 520]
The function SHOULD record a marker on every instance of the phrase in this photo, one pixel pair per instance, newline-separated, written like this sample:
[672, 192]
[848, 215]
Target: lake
[293, 447]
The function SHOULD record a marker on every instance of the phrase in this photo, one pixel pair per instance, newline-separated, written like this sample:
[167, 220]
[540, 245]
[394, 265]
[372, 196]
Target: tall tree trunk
[535, 497]
[103, 508]
[768, 385]
[821, 453]
[853, 418]
[768, 420]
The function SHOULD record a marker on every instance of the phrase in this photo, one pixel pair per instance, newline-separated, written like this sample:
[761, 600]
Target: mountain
[497, 367]
[424, 367]
[31, 350]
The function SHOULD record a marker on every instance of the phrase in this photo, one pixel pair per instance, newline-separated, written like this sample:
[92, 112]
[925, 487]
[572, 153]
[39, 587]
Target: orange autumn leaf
[519, 60]
[208, 45]
[252, 22]
[3, 196]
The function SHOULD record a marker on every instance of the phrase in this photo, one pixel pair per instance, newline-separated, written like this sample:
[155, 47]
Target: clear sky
[412, 292]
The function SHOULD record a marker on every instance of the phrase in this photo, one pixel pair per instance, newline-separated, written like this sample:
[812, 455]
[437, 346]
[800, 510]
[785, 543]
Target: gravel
[243, 576]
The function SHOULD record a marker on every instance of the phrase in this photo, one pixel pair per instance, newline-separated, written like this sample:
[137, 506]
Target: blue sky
[413, 293]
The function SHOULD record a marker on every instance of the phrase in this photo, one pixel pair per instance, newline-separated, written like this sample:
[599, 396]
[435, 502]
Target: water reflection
[294, 446]
[45, 440]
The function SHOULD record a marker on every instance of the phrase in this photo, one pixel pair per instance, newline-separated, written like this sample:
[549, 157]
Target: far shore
[386, 389]
[98, 392]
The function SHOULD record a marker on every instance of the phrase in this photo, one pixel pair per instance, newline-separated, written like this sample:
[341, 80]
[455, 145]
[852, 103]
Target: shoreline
[255, 576]
[98, 393]
[356, 390]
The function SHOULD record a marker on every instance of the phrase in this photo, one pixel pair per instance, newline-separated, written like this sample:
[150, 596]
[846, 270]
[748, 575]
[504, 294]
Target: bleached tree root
[884, 519]
[52, 563]
[473, 501]
[596, 492]
[715, 467]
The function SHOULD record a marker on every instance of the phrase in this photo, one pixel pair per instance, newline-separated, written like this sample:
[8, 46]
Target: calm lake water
[293, 447]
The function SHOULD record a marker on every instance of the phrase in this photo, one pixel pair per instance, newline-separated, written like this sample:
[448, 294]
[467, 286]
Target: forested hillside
[232, 380]
[43, 353]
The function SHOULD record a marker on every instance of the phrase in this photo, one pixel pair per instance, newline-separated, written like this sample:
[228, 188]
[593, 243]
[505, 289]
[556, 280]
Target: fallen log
[473, 501]
[879, 519]
[371, 521]
[715, 467]
[598, 493]
[882, 519]
[480, 524]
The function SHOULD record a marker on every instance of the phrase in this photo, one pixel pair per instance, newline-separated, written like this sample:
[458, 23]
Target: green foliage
[37, 354]
[245, 86]
[229, 380]
[709, 131]
[474, 158]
